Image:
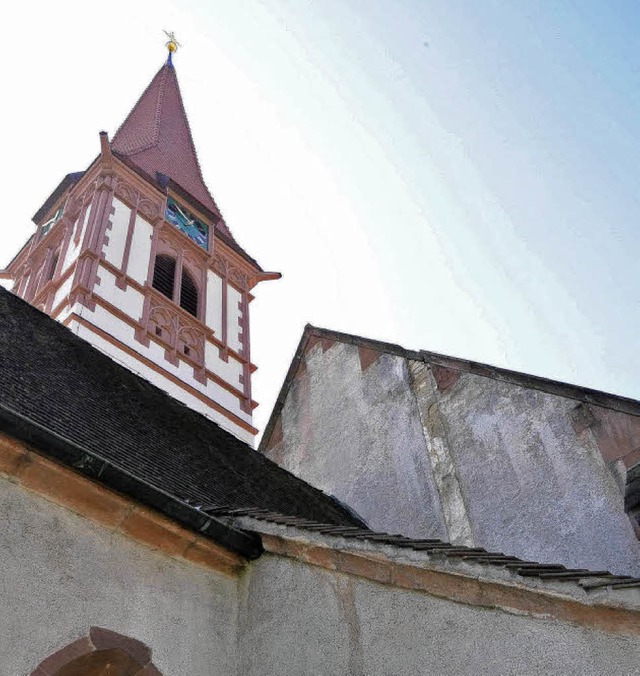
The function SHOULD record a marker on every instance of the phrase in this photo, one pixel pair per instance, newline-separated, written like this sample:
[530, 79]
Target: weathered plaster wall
[61, 574]
[532, 485]
[421, 449]
[296, 618]
[355, 434]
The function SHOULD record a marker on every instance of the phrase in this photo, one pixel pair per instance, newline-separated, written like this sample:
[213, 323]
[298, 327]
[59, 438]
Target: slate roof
[57, 389]
[68, 180]
[157, 138]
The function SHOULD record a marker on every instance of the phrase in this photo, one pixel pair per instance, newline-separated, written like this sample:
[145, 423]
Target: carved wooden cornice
[145, 203]
[178, 329]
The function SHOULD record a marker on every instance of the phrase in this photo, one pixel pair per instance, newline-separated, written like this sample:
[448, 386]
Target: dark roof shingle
[59, 382]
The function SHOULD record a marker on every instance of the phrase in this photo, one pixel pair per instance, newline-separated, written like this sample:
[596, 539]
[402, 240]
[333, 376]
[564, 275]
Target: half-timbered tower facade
[134, 255]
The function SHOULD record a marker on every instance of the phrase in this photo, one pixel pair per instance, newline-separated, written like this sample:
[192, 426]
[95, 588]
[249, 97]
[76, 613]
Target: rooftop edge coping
[599, 605]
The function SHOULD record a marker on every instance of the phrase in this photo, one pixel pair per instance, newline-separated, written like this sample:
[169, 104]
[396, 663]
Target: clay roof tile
[157, 138]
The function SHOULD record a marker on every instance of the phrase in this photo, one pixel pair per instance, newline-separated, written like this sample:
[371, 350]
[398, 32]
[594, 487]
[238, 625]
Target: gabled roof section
[584, 394]
[157, 138]
[67, 181]
[59, 392]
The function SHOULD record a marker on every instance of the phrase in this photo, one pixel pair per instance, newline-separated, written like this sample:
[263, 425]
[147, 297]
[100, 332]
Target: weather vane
[173, 44]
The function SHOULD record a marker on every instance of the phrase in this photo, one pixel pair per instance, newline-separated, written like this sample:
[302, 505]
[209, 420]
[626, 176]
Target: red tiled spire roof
[156, 137]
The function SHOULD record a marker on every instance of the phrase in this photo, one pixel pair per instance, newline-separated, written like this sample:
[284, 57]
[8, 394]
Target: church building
[143, 535]
[482, 456]
[134, 255]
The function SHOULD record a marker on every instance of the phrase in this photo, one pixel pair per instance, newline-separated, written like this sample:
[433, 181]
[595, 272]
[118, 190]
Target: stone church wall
[297, 618]
[425, 450]
[532, 487]
[62, 574]
[356, 435]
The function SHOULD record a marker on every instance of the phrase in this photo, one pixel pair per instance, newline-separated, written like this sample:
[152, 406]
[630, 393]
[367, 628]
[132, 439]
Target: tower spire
[156, 136]
[139, 236]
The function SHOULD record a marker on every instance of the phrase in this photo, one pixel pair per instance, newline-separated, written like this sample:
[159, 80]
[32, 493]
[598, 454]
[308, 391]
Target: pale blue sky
[453, 176]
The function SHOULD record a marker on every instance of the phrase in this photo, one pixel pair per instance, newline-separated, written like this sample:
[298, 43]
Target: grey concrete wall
[61, 574]
[299, 619]
[356, 435]
[428, 451]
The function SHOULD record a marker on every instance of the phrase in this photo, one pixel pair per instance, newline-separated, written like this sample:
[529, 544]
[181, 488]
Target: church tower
[134, 256]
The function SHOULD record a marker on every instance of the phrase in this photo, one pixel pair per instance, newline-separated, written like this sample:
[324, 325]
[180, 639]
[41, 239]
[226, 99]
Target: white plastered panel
[230, 370]
[140, 252]
[62, 292]
[128, 300]
[213, 316]
[233, 315]
[117, 233]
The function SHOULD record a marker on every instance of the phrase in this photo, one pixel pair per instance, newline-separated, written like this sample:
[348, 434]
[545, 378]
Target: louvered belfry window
[164, 273]
[188, 294]
[164, 280]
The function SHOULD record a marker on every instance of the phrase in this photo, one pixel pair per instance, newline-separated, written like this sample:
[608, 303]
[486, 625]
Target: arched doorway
[101, 653]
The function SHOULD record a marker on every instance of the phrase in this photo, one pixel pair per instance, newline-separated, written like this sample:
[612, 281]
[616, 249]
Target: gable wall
[432, 451]
[355, 434]
[533, 486]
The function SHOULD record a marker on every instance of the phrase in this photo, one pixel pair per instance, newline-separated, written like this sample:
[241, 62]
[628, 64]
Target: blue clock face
[187, 223]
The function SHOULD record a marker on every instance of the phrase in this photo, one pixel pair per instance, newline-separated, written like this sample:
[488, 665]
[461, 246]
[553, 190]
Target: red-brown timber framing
[107, 178]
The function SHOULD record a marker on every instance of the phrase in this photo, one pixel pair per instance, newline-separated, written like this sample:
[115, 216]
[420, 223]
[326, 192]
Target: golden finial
[173, 44]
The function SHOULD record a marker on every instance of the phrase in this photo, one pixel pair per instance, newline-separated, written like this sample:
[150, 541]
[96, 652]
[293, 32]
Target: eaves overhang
[92, 466]
[67, 182]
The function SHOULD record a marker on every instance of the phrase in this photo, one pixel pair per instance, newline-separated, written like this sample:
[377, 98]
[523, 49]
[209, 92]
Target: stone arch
[101, 652]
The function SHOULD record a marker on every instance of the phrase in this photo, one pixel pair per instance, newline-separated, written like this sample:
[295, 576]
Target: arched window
[164, 272]
[188, 294]
[164, 280]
